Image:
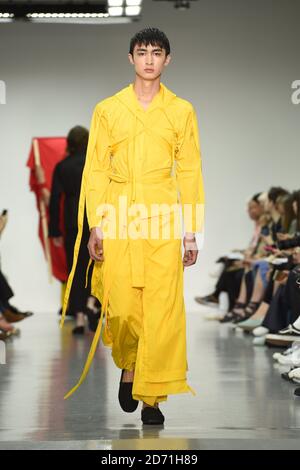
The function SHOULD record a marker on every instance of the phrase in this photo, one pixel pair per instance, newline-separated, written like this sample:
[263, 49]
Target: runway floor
[241, 401]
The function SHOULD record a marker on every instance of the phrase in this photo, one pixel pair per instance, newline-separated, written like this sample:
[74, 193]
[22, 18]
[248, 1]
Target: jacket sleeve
[189, 175]
[95, 178]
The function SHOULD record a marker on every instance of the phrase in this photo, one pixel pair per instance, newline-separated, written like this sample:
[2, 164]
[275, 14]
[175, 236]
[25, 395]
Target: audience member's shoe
[209, 300]
[7, 328]
[294, 373]
[260, 331]
[251, 308]
[214, 316]
[236, 312]
[233, 315]
[297, 392]
[13, 317]
[127, 402]
[259, 341]
[152, 415]
[289, 377]
[228, 318]
[239, 319]
[78, 330]
[16, 332]
[250, 324]
[285, 360]
[93, 318]
[4, 335]
[290, 330]
[14, 309]
[277, 355]
[280, 340]
[292, 359]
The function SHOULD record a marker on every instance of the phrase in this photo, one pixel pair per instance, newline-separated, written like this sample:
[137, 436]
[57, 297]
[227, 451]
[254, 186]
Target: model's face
[149, 61]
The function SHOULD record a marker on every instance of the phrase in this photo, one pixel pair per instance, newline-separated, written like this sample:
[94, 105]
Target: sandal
[238, 316]
[251, 308]
[234, 316]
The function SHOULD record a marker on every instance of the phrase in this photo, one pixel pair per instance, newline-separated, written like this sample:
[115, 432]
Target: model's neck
[146, 89]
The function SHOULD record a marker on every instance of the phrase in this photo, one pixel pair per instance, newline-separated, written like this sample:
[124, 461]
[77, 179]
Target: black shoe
[209, 300]
[127, 403]
[152, 415]
[93, 318]
[297, 392]
[78, 330]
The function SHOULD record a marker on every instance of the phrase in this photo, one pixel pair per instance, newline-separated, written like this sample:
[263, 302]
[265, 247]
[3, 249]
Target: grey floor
[241, 401]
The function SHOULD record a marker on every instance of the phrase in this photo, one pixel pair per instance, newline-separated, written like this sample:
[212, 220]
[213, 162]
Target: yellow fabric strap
[90, 356]
[191, 390]
[107, 281]
[87, 272]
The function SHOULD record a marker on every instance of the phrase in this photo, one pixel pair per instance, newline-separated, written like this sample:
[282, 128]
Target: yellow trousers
[145, 325]
[140, 287]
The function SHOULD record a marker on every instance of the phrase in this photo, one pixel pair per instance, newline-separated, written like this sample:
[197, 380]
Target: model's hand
[190, 250]
[95, 244]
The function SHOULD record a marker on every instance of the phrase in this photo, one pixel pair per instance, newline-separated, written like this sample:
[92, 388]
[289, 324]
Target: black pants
[230, 282]
[79, 294]
[284, 306]
[5, 292]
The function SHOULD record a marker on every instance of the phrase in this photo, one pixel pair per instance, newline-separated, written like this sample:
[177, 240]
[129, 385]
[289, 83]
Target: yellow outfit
[147, 157]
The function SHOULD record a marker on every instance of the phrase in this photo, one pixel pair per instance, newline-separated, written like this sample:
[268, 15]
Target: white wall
[234, 59]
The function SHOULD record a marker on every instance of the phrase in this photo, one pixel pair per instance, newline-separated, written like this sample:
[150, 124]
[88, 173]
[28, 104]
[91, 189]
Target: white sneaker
[260, 331]
[294, 374]
[214, 316]
[292, 359]
[259, 341]
[277, 355]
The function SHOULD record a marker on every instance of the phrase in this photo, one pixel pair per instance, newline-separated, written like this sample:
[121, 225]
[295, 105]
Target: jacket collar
[128, 97]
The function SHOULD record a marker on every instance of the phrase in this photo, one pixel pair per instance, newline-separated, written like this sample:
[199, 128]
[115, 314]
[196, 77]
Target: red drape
[52, 150]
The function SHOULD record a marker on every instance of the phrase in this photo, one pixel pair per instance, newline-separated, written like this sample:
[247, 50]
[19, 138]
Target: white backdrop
[234, 59]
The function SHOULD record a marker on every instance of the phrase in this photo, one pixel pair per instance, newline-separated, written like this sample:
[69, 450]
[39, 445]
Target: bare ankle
[128, 376]
[145, 405]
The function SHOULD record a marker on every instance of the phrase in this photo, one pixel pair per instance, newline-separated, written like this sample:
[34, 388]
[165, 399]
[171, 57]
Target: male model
[143, 166]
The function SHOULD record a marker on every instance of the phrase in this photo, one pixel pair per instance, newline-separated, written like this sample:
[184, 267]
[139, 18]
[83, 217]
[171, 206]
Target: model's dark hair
[77, 140]
[152, 36]
[275, 192]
